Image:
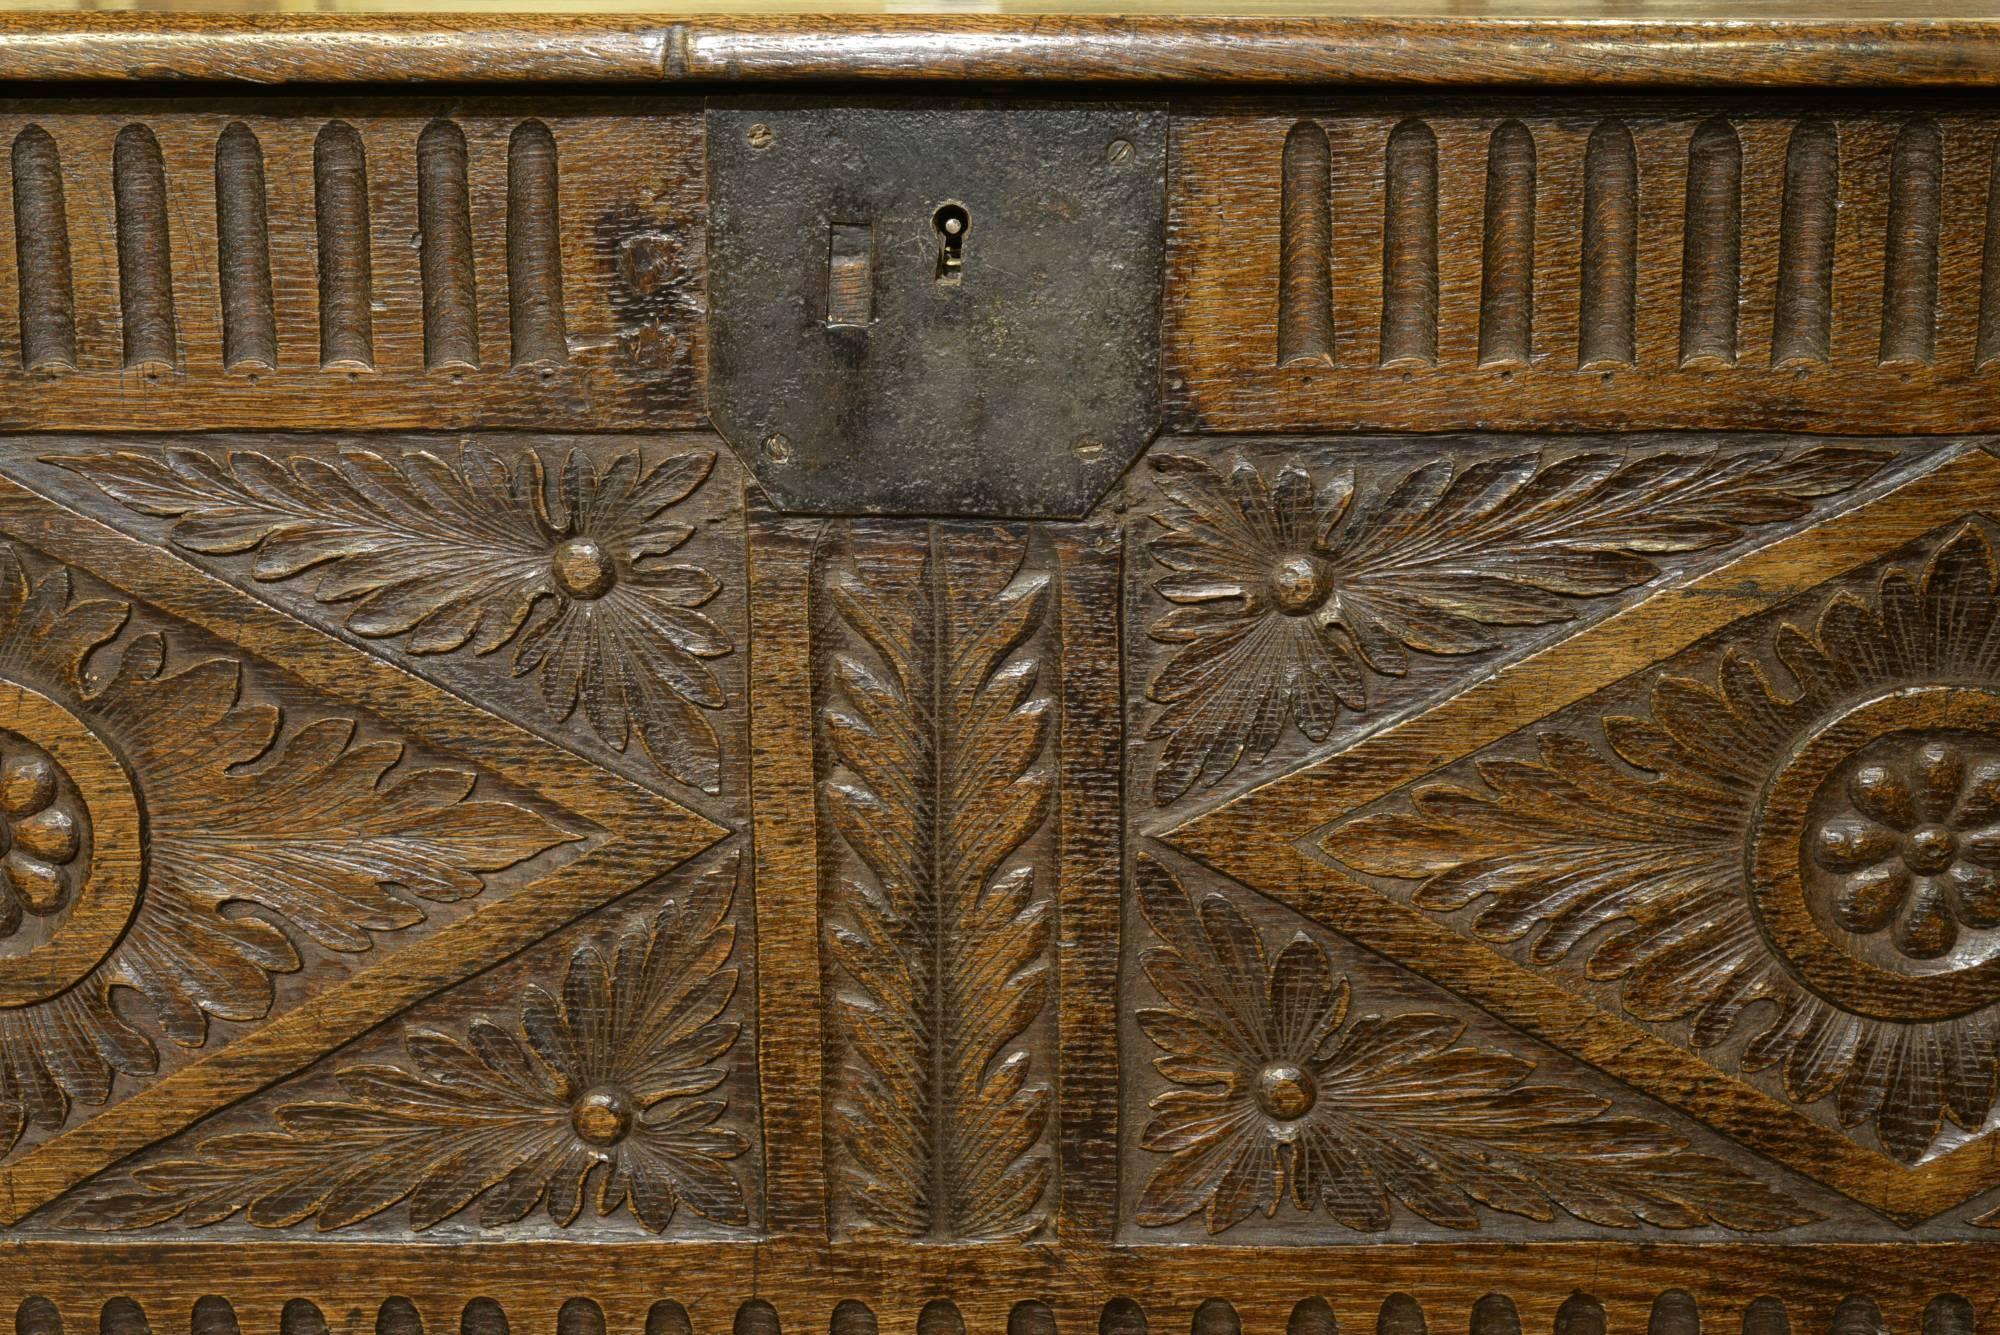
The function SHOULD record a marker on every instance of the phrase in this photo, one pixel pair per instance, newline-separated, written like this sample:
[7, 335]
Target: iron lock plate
[936, 308]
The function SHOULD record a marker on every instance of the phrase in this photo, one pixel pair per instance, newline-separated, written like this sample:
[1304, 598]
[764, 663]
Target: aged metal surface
[935, 308]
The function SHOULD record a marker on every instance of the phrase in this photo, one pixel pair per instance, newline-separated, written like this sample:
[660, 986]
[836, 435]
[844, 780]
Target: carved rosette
[1297, 598]
[1282, 1097]
[557, 567]
[603, 1088]
[1797, 863]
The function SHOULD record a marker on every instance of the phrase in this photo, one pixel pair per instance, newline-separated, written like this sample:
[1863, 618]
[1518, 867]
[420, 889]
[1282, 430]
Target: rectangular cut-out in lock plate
[936, 308]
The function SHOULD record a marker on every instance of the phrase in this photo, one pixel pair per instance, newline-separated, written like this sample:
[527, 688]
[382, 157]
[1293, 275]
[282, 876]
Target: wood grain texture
[346, 250]
[1507, 261]
[1802, 320]
[243, 251]
[41, 253]
[145, 252]
[612, 1048]
[1610, 267]
[1426, 46]
[345, 825]
[1432, 1287]
[444, 224]
[937, 719]
[1521, 859]
[1879, 1150]
[523, 276]
[1409, 246]
[1739, 280]
[1305, 297]
[1711, 262]
[1306, 589]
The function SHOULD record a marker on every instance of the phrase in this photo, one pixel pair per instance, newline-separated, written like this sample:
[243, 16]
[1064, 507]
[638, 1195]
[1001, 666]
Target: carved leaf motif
[1571, 847]
[1291, 597]
[939, 732]
[475, 554]
[318, 829]
[605, 1079]
[1279, 1094]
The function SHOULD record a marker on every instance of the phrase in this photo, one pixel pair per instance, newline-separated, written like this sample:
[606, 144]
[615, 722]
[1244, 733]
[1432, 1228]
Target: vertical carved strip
[1989, 278]
[1580, 1314]
[213, 1315]
[1121, 1316]
[1859, 1316]
[37, 1316]
[1949, 1314]
[145, 253]
[1312, 1316]
[1401, 1315]
[1674, 1313]
[1410, 246]
[346, 271]
[398, 1316]
[667, 1317]
[1495, 1314]
[534, 247]
[1610, 247]
[940, 1317]
[483, 1316]
[851, 1317]
[302, 1317]
[936, 675]
[1766, 1316]
[1803, 322]
[791, 980]
[1711, 254]
[580, 1316]
[1507, 274]
[757, 1317]
[41, 253]
[122, 1316]
[1305, 249]
[1910, 267]
[243, 251]
[444, 218]
[1216, 1316]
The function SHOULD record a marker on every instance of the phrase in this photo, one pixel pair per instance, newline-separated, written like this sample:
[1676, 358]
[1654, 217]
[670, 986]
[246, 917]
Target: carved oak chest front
[1000, 674]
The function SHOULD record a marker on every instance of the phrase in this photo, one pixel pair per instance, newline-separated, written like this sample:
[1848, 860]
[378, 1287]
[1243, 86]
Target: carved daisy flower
[1915, 841]
[1288, 595]
[608, 1083]
[1265, 638]
[624, 640]
[573, 565]
[1280, 1095]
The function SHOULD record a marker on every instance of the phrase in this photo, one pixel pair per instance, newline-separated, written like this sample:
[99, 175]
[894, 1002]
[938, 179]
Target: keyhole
[952, 222]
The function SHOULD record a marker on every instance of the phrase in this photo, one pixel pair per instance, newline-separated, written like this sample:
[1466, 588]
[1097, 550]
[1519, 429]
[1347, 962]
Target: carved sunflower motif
[1296, 598]
[569, 565]
[607, 1079]
[1280, 1094]
[1823, 846]
[322, 832]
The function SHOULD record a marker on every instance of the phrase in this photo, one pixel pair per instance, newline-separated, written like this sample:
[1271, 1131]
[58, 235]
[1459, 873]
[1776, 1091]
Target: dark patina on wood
[1488, 820]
